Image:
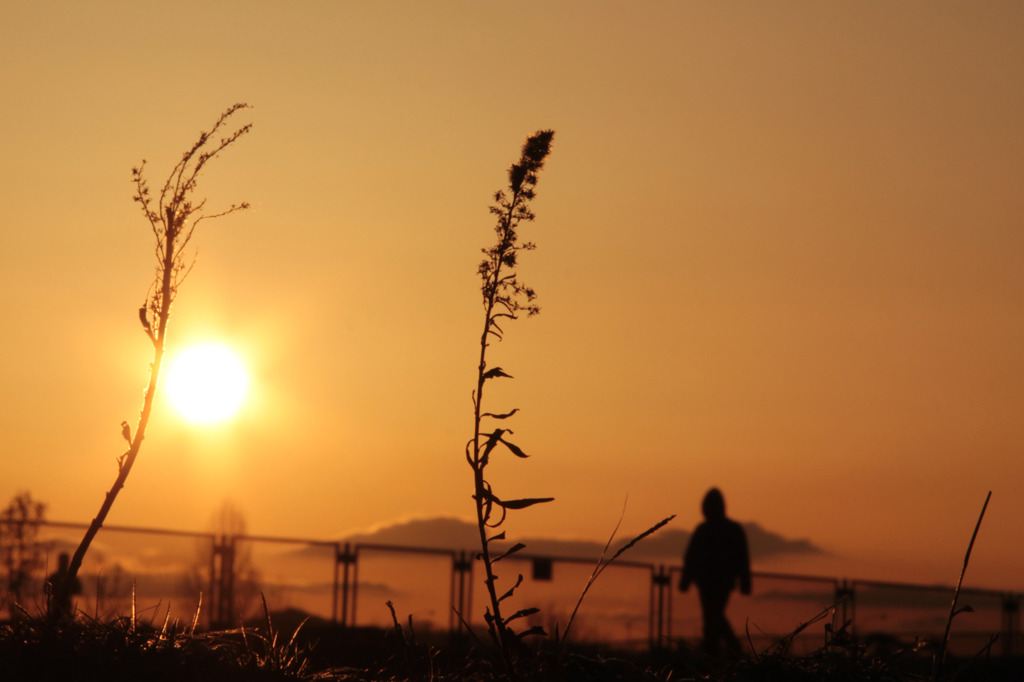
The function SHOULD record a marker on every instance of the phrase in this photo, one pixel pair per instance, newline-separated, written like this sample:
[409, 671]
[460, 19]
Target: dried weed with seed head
[505, 298]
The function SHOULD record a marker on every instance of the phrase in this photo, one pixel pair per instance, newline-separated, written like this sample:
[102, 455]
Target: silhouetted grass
[32, 649]
[115, 651]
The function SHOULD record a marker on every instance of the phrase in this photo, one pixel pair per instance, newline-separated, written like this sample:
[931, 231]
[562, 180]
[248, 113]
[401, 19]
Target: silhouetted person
[53, 587]
[716, 559]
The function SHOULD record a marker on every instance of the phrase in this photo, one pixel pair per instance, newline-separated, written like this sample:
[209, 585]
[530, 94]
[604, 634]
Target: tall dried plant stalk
[505, 297]
[173, 215]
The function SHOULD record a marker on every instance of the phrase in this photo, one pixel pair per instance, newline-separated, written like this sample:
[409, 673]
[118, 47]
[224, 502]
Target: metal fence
[633, 604]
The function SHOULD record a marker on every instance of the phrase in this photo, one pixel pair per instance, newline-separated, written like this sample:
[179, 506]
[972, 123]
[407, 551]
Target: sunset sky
[780, 251]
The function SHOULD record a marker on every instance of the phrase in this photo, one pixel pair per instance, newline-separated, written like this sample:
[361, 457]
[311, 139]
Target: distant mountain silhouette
[458, 534]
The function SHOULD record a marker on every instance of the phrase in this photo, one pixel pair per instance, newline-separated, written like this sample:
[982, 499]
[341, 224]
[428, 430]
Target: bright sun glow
[207, 383]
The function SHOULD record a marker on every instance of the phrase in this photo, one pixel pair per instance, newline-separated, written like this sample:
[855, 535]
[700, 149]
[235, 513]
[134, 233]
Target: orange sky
[779, 251]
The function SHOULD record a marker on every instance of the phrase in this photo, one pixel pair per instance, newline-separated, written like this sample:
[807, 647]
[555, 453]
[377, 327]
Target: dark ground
[112, 652]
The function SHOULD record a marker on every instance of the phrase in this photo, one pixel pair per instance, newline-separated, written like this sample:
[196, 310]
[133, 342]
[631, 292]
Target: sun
[207, 383]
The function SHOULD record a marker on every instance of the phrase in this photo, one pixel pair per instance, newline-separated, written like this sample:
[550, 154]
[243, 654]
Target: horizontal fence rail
[223, 577]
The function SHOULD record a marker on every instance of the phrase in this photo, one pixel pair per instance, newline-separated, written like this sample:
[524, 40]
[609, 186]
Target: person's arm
[744, 561]
[686, 578]
[690, 559]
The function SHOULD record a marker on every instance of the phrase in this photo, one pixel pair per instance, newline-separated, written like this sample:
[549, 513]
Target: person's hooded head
[713, 505]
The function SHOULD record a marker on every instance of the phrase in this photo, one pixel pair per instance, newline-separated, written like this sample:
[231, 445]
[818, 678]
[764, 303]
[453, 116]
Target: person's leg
[718, 633]
[732, 643]
[712, 604]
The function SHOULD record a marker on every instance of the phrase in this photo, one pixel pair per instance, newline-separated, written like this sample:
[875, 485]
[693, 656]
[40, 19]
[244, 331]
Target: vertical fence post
[853, 607]
[229, 574]
[334, 590]
[462, 571]
[659, 582]
[668, 609]
[1011, 622]
[211, 594]
[348, 560]
[844, 596]
[223, 564]
[451, 598]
